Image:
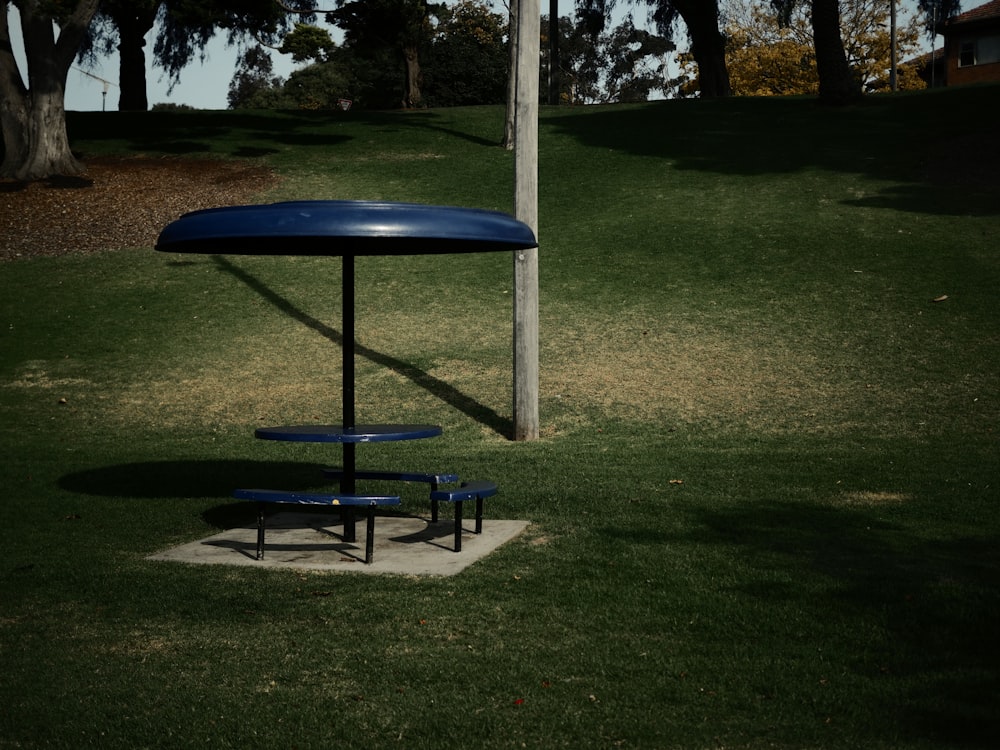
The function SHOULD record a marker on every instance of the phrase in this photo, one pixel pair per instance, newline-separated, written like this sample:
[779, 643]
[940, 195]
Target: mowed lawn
[763, 509]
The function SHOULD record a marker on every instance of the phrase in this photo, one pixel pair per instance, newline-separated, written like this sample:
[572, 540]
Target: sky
[204, 84]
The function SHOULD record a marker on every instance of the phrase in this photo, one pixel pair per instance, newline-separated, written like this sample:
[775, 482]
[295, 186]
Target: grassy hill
[764, 504]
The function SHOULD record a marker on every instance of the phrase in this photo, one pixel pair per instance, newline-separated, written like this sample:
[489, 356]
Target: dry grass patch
[874, 499]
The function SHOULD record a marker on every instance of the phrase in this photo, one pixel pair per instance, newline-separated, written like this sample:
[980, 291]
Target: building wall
[981, 72]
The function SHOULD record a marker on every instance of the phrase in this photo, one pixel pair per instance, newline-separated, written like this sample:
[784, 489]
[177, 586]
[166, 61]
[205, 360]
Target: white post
[526, 210]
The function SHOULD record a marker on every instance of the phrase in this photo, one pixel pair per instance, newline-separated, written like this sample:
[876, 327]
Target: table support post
[348, 484]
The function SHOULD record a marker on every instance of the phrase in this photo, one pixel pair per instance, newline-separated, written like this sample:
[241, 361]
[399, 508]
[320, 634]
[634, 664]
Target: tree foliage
[701, 17]
[466, 60]
[936, 12]
[373, 28]
[837, 82]
[770, 56]
[307, 42]
[624, 64]
[254, 77]
[183, 29]
[462, 54]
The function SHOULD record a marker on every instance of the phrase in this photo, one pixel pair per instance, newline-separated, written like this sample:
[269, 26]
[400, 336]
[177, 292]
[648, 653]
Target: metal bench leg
[458, 525]
[479, 515]
[260, 531]
[370, 539]
[434, 503]
[347, 515]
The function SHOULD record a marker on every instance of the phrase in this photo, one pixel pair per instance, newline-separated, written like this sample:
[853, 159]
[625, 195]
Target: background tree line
[767, 55]
[415, 53]
[453, 55]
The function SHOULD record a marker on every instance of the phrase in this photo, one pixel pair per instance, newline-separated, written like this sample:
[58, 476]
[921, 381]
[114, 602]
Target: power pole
[526, 210]
[553, 52]
[107, 85]
[893, 85]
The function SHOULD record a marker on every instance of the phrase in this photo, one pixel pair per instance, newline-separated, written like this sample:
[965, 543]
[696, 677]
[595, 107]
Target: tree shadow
[904, 139]
[937, 601]
[202, 131]
[435, 386]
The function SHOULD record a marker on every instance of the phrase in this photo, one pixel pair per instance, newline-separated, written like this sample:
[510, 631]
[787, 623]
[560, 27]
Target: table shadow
[158, 480]
[438, 388]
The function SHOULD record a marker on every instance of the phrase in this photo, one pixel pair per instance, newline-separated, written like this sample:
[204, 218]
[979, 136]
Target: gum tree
[184, 28]
[32, 108]
[708, 45]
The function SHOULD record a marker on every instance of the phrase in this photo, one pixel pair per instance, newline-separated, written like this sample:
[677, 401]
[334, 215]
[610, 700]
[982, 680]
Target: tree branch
[289, 9]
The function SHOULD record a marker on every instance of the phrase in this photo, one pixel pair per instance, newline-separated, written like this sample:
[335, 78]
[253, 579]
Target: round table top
[344, 228]
[335, 433]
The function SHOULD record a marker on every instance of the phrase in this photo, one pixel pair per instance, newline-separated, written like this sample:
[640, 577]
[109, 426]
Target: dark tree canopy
[254, 76]
[184, 28]
[466, 59]
[936, 12]
[708, 45]
[463, 61]
[624, 64]
[400, 27]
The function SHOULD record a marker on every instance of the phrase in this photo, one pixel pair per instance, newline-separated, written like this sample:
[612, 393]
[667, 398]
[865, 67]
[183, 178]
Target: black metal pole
[348, 484]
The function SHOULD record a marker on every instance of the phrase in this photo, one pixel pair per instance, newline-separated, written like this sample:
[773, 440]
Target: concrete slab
[404, 545]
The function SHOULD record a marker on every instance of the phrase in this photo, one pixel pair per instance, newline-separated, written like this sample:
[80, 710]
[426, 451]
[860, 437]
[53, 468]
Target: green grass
[763, 508]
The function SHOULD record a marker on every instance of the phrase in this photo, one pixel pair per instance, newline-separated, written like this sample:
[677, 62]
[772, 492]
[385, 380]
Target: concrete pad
[310, 541]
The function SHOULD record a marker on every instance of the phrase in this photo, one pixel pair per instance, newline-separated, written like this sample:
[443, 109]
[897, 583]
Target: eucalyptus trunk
[32, 115]
[132, 29]
[508, 124]
[412, 97]
[708, 46]
[837, 82]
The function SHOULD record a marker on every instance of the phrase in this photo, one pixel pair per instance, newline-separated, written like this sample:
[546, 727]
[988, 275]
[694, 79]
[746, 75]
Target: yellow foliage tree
[767, 59]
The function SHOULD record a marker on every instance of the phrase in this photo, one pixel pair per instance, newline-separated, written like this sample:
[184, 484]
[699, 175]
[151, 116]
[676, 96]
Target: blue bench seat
[349, 502]
[398, 476]
[477, 490]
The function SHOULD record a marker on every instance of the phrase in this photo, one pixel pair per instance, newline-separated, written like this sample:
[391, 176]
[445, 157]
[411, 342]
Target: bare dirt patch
[118, 203]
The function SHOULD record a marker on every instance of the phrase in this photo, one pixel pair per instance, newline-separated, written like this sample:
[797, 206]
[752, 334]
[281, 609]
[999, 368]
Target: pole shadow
[435, 386]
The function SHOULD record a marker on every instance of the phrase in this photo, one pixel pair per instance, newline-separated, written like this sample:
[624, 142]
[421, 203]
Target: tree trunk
[14, 127]
[132, 30]
[553, 51]
[33, 117]
[708, 46]
[412, 97]
[837, 82]
[508, 125]
[13, 105]
[36, 140]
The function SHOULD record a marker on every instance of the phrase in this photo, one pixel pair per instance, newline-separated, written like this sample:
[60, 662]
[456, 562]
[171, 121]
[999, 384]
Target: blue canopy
[344, 228]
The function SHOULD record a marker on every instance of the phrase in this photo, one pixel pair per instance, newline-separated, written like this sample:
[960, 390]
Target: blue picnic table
[348, 229]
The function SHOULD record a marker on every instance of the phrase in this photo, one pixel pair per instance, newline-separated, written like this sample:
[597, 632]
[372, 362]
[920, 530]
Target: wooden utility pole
[526, 210]
[893, 85]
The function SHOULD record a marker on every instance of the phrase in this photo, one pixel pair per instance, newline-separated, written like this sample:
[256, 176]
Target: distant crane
[107, 85]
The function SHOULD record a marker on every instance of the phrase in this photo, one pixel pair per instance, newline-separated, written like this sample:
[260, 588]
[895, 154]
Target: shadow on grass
[435, 386]
[151, 480]
[930, 608]
[205, 131]
[917, 141]
[250, 134]
[161, 480]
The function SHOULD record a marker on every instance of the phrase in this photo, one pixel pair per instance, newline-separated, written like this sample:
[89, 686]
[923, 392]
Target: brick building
[972, 46]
